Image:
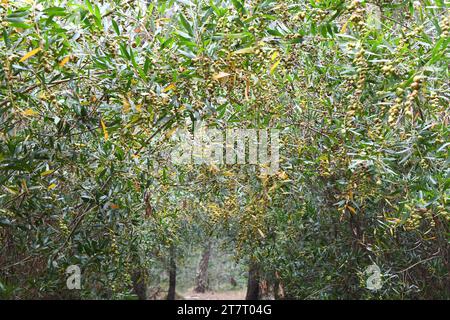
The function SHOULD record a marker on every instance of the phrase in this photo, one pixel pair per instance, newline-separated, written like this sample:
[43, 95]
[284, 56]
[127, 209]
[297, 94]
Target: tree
[201, 280]
[253, 291]
[171, 294]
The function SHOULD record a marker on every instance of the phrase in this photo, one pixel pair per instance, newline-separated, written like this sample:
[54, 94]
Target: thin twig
[422, 261]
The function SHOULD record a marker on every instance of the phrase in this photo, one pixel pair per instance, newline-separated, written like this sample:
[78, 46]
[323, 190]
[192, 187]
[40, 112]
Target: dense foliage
[90, 96]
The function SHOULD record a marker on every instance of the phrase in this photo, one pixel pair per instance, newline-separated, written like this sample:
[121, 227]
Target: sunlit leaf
[30, 54]
[169, 87]
[245, 51]
[105, 131]
[64, 61]
[220, 75]
[29, 112]
[51, 187]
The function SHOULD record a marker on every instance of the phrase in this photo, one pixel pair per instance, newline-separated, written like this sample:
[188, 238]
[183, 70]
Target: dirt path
[211, 295]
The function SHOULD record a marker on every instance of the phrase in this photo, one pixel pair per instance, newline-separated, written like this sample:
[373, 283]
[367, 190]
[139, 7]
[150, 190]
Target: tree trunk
[276, 289]
[139, 285]
[172, 275]
[201, 280]
[253, 282]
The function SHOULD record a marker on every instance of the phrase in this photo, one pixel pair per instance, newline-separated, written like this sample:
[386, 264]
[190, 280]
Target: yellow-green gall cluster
[445, 26]
[415, 86]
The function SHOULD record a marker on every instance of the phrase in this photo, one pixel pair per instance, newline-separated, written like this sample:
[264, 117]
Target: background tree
[92, 93]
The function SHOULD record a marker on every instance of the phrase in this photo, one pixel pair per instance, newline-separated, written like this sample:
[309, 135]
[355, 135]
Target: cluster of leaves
[90, 94]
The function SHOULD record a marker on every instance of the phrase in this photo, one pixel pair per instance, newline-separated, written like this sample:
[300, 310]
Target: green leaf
[115, 27]
[55, 11]
[187, 26]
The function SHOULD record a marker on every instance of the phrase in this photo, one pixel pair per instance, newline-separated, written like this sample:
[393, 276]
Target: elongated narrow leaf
[30, 54]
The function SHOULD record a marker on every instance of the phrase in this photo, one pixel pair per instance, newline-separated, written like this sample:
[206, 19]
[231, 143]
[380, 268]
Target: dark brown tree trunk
[201, 280]
[139, 285]
[172, 275]
[276, 289]
[253, 282]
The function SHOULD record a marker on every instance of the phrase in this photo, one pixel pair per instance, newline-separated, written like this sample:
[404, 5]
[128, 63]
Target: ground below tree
[215, 295]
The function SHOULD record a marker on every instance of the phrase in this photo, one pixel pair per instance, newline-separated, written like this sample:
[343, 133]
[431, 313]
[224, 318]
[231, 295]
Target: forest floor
[215, 295]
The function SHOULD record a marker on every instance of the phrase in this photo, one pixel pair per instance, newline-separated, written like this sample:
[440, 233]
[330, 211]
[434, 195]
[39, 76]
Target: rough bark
[139, 285]
[201, 280]
[276, 291]
[253, 292]
[172, 275]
